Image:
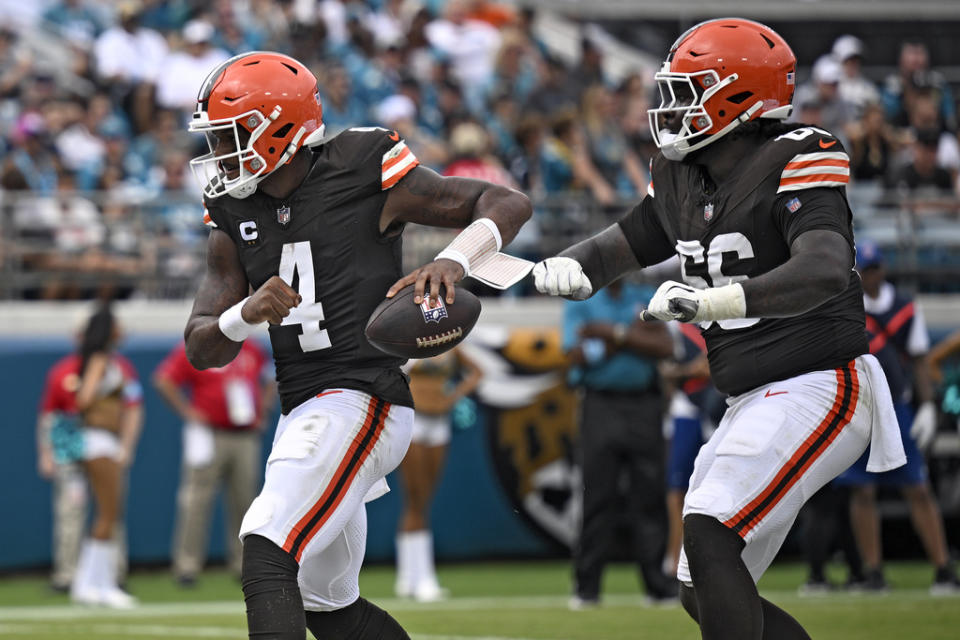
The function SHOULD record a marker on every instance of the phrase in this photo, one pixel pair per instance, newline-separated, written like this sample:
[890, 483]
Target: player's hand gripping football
[271, 302]
[428, 278]
[561, 276]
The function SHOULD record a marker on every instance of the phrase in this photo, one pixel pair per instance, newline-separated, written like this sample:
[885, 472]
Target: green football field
[491, 601]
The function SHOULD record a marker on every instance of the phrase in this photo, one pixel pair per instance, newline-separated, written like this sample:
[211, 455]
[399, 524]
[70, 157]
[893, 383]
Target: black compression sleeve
[270, 589]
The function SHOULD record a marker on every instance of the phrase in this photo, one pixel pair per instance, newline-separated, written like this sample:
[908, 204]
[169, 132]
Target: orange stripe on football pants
[844, 404]
[357, 453]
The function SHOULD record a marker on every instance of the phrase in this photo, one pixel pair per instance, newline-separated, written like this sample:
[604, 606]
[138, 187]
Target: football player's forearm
[818, 270]
[508, 208]
[223, 285]
[206, 346]
[604, 257]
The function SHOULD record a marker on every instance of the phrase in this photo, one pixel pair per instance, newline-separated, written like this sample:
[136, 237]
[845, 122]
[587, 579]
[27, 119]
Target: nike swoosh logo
[396, 136]
[774, 393]
[826, 145]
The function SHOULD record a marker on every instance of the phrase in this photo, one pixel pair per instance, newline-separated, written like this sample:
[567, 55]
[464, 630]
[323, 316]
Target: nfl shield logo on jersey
[708, 212]
[283, 215]
[435, 314]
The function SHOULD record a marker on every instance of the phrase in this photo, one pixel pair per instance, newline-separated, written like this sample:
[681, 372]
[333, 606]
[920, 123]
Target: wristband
[722, 303]
[477, 250]
[233, 325]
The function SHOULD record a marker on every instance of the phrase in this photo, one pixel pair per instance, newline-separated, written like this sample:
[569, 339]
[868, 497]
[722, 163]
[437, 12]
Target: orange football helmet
[256, 110]
[717, 76]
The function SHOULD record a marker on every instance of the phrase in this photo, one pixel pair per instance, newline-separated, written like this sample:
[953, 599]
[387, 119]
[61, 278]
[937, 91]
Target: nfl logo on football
[283, 215]
[708, 212]
[433, 315]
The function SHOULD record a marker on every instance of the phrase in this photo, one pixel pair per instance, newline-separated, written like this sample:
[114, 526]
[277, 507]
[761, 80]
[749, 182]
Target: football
[407, 330]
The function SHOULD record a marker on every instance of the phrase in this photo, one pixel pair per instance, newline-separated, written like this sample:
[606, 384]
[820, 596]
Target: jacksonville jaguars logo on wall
[532, 427]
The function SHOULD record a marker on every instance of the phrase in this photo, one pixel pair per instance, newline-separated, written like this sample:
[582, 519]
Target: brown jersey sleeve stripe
[845, 402]
[357, 453]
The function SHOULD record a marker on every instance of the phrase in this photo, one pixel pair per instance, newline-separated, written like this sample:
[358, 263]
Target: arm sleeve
[645, 234]
[796, 212]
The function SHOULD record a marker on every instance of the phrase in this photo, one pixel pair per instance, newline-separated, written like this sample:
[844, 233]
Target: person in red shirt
[223, 411]
[90, 416]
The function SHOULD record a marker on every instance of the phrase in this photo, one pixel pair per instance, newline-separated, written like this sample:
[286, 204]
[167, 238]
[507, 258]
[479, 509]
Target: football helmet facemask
[717, 76]
[256, 110]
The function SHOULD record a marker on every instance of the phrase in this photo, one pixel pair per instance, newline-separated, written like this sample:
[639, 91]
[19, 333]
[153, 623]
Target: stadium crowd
[95, 97]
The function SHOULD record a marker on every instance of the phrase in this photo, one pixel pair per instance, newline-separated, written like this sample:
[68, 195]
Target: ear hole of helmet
[283, 131]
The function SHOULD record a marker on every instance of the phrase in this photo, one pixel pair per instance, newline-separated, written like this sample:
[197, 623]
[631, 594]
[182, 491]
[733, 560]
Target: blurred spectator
[872, 145]
[33, 164]
[589, 70]
[620, 443]
[922, 116]
[609, 153]
[898, 338]
[230, 35]
[501, 123]
[16, 62]
[554, 94]
[854, 88]
[224, 411]
[184, 71]
[129, 59]
[493, 13]
[437, 385]
[400, 113]
[524, 163]
[341, 108]
[73, 20]
[566, 163]
[146, 150]
[387, 24]
[913, 74]
[922, 176]
[945, 373]
[515, 70]
[470, 45]
[470, 145]
[823, 94]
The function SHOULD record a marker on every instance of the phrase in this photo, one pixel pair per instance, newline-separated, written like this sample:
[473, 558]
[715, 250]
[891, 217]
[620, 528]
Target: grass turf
[492, 601]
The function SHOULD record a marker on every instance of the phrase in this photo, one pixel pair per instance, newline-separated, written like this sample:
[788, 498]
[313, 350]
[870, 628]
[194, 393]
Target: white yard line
[236, 607]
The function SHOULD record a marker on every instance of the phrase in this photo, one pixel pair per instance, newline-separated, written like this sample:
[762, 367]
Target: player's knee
[271, 592]
[266, 567]
[688, 598]
[707, 541]
[361, 620]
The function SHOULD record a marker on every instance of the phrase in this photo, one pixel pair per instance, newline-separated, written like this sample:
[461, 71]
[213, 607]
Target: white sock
[105, 564]
[405, 564]
[425, 573]
[83, 578]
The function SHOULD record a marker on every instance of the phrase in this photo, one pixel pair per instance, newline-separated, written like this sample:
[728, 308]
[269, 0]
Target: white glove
[561, 276]
[678, 301]
[924, 425]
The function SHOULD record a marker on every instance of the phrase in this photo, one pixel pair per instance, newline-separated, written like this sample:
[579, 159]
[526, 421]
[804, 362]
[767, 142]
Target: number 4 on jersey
[296, 259]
